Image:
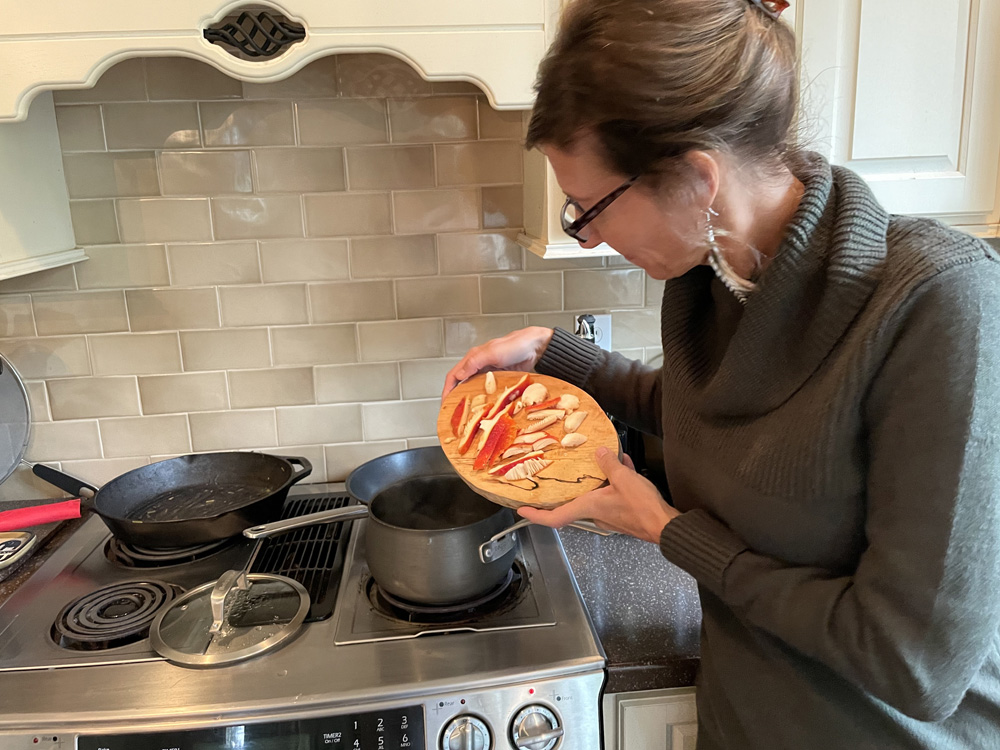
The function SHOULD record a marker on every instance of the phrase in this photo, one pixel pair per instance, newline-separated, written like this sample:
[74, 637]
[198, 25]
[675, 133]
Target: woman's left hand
[629, 503]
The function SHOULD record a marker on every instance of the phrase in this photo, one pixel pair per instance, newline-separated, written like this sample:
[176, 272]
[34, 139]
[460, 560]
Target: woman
[829, 398]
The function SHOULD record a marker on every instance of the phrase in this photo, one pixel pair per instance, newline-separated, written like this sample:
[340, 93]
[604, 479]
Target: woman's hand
[519, 350]
[629, 503]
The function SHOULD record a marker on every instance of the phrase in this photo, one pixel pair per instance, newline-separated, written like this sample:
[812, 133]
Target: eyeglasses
[574, 219]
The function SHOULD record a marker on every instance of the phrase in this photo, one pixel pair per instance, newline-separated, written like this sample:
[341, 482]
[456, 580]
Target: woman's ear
[706, 168]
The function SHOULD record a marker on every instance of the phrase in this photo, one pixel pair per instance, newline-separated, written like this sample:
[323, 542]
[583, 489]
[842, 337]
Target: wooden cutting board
[572, 472]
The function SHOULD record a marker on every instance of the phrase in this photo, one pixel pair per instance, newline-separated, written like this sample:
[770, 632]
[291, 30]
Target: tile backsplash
[290, 267]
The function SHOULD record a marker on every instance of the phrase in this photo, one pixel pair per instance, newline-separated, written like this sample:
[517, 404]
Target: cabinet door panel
[655, 720]
[933, 125]
[904, 93]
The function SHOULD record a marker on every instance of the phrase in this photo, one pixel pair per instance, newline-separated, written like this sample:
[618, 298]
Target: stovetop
[357, 656]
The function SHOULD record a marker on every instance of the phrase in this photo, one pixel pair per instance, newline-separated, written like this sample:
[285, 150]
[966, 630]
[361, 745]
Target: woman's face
[663, 236]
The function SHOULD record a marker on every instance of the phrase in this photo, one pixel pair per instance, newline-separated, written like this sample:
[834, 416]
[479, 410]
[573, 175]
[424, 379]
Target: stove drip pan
[501, 597]
[134, 556]
[112, 616]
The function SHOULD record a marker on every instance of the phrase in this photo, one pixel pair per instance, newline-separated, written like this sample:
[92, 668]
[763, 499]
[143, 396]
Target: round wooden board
[573, 470]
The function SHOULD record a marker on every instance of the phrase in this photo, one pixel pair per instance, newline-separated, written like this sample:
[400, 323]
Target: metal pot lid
[15, 419]
[235, 618]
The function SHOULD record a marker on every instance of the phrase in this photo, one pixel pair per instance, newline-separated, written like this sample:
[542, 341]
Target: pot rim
[487, 521]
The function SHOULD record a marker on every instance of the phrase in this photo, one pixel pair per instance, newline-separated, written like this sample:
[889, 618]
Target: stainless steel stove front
[413, 692]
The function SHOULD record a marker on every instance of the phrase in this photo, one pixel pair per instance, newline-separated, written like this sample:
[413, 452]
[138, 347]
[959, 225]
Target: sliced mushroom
[547, 422]
[527, 469]
[546, 413]
[491, 383]
[531, 437]
[574, 420]
[573, 439]
[545, 442]
[569, 403]
[478, 400]
[516, 450]
[518, 406]
[534, 394]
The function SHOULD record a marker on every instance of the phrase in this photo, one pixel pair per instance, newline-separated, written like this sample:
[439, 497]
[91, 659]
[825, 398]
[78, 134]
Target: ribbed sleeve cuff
[698, 543]
[569, 358]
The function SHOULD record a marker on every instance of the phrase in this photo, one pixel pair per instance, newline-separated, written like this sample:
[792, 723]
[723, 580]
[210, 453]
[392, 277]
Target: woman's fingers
[518, 350]
[629, 503]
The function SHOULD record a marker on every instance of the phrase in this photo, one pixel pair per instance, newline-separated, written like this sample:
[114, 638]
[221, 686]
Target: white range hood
[494, 45]
[57, 46]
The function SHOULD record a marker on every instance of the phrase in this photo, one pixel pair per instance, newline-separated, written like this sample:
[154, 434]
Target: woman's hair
[653, 79]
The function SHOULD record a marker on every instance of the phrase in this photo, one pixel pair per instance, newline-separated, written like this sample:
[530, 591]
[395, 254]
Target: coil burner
[134, 556]
[112, 616]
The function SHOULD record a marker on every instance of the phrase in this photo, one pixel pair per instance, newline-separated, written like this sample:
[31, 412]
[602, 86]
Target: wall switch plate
[602, 330]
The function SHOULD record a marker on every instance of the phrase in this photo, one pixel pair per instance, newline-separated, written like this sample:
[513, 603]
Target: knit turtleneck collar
[823, 273]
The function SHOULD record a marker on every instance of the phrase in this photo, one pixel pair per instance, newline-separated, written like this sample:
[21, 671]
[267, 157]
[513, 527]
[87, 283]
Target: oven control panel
[392, 729]
[556, 713]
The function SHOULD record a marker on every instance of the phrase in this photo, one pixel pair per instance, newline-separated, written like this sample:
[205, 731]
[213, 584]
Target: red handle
[22, 518]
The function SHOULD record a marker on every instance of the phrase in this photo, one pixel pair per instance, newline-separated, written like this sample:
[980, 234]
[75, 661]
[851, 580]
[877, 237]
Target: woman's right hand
[519, 350]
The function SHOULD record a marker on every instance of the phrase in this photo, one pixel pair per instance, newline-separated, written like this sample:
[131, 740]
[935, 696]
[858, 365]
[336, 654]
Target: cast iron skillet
[190, 499]
[174, 503]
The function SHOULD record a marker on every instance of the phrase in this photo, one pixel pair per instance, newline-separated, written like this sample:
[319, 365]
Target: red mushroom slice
[471, 425]
[509, 396]
[458, 416]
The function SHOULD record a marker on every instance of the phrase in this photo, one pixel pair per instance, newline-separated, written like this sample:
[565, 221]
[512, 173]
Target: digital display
[393, 729]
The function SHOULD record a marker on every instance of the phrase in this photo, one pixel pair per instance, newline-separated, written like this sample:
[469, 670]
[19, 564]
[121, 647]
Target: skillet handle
[64, 481]
[304, 470]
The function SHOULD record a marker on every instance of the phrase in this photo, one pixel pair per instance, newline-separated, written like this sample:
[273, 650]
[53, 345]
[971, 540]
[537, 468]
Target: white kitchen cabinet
[496, 46]
[904, 92]
[907, 94]
[35, 228]
[651, 720]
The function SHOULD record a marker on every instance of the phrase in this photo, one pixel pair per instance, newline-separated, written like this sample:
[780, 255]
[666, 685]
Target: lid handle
[227, 581]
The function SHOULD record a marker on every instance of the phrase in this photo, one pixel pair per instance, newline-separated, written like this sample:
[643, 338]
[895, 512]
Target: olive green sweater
[834, 448]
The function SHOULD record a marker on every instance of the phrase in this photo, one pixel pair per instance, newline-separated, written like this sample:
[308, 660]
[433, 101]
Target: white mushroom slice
[530, 437]
[516, 450]
[546, 413]
[535, 393]
[546, 442]
[573, 439]
[569, 403]
[478, 400]
[518, 406]
[449, 440]
[527, 469]
[547, 422]
[574, 420]
[491, 383]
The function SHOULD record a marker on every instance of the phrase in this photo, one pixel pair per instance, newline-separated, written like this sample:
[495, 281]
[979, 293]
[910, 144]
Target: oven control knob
[466, 733]
[535, 728]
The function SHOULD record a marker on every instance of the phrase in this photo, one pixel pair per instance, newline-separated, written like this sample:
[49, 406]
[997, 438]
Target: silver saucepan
[429, 538]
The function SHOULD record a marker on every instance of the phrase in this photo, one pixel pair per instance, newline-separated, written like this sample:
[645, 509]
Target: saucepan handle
[349, 513]
[503, 542]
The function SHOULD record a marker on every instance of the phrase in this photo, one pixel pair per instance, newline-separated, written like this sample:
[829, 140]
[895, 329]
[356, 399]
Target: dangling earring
[740, 287]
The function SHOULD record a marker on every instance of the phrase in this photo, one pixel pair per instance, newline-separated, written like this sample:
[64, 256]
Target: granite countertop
[50, 536]
[645, 609]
